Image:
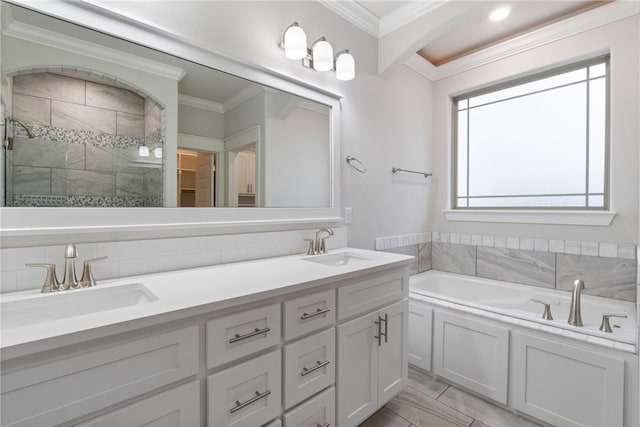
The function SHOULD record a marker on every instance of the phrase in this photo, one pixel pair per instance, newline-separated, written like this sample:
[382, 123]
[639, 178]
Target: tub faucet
[575, 317]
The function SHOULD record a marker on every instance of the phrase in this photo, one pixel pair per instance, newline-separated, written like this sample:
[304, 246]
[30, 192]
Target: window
[538, 142]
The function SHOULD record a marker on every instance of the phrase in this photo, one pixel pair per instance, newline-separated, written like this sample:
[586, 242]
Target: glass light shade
[345, 66]
[499, 14]
[322, 54]
[295, 42]
[143, 151]
[157, 152]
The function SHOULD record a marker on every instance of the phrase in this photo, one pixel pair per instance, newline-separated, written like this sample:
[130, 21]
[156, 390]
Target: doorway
[196, 178]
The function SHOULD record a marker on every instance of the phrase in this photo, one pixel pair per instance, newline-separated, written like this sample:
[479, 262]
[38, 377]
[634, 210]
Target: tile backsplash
[608, 269]
[136, 257]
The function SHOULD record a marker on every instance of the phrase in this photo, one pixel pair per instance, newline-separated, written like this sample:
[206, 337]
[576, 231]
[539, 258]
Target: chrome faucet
[575, 316]
[319, 246]
[70, 280]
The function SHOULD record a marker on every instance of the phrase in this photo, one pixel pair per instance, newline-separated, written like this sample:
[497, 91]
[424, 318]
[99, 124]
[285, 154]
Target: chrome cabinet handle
[249, 335]
[254, 399]
[547, 309]
[319, 364]
[386, 327]
[379, 336]
[318, 312]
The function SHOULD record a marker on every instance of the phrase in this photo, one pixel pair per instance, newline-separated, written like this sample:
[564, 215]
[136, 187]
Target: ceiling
[471, 30]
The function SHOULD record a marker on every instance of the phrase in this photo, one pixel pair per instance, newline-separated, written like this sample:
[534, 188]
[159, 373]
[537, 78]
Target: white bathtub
[512, 299]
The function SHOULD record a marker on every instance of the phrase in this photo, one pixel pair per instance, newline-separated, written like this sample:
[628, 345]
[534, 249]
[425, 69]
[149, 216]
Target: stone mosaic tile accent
[27, 200]
[606, 277]
[514, 265]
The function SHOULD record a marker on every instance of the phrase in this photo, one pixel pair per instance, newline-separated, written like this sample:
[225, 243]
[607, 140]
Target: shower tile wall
[86, 149]
[609, 270]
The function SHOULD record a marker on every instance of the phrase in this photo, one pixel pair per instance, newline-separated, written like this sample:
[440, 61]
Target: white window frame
[601, 216]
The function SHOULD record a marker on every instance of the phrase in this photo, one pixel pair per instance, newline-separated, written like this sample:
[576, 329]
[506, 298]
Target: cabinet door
[179, 406]
[248, 394]
[392, 351]
[472, 353]
[420, 328]
[357, 380]
[566, 385]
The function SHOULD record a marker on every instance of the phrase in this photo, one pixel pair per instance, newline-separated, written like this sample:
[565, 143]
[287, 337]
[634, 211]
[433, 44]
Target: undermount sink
[67, 304]
[339, 259]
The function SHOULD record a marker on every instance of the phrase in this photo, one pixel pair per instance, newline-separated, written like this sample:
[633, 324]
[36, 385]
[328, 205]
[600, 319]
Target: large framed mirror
[117, 137]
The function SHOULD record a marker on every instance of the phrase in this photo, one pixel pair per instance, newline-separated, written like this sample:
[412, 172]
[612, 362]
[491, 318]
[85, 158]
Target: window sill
[593, 218]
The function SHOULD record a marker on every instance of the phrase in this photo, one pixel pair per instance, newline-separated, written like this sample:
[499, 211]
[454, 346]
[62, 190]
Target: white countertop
[185, 293]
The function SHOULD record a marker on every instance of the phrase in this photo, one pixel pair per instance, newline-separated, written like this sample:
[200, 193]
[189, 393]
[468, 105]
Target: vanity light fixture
[500, 13]
[320, 56]
[143, 151]
[157, 152]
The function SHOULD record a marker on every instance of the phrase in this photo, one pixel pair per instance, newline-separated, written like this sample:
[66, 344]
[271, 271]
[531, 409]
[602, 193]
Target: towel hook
[356, 164]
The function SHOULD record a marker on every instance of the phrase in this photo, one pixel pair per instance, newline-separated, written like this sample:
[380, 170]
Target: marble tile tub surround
[610, 270]
[131, 258]
[417, 245]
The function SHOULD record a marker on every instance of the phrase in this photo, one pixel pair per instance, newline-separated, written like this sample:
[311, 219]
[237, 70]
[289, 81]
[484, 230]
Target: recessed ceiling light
[500, 13]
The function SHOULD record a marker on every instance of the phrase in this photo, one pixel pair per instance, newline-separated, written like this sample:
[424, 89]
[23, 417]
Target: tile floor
[427, 402]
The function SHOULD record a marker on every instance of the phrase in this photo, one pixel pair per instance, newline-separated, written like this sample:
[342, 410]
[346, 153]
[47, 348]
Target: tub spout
[575, 316]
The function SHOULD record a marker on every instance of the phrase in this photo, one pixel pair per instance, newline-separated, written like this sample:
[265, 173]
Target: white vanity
[287, 341]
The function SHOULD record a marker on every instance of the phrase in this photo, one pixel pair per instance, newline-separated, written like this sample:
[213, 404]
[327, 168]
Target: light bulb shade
[143, 151]
[295, 42]
[322, 54]
[157, 152]
[345, 66]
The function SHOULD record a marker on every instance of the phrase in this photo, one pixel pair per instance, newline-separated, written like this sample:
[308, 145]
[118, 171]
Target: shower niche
[81, 139]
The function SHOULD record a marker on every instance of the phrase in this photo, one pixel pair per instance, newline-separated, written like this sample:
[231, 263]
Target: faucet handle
[87, 280]
[605, 326]
[547, 309]
[310, 249]
[51, 283]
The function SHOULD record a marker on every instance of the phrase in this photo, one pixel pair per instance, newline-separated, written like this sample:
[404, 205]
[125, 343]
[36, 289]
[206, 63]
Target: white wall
[621, 38]
[199, 122]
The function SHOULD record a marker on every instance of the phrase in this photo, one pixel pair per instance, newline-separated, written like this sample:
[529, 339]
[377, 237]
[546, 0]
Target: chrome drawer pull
[319, 364]
[323, 425]
[254, 399]
[249, 335]
[318, 312]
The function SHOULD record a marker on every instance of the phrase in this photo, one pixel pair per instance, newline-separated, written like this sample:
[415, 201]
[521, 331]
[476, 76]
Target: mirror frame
[49, 226]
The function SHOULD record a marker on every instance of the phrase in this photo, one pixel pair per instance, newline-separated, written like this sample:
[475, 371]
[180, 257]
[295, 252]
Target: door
[392, 351]
[357, 380]
[204, 180]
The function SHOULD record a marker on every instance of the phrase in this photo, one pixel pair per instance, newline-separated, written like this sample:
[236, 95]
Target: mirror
[97, 121]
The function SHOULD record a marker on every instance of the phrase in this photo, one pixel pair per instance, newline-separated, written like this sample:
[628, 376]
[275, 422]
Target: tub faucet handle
[547, 309]
[605, 326]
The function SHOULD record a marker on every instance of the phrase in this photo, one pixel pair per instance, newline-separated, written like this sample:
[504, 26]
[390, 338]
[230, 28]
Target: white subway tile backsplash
[541, 245]
[234, 255]
[31, 278]
[513, 243]
[221, 243]
[180, 261]
[379, 244]
[500, 242]
[589, 248]
[15, 258]
[526, 244]
[107, 269]
[138, 266]
[626, 251]
[9, 281]
[572, 247]
[556, 246]
[119, 250]
[608, 250]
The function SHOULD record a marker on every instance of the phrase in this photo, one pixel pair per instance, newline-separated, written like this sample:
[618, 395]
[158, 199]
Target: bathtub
[514, 300]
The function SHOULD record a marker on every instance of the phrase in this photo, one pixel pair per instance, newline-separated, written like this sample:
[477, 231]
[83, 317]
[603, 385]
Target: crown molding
[242, 96]
[406, 14]
[314, 107]
[41, 36]
[202, 104]
[421, 66]
[356, 14]
[562, 29]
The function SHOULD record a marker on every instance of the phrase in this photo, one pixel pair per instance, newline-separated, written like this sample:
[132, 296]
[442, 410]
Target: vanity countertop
[190, 292]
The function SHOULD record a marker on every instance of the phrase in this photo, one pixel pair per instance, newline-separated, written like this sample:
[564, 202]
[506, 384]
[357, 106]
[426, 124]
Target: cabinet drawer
[319, 411]
[371, 294]
[309, 366]
[246, 395]
[179, 406]
[241, 334]
[309, 313]
[57, 391]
